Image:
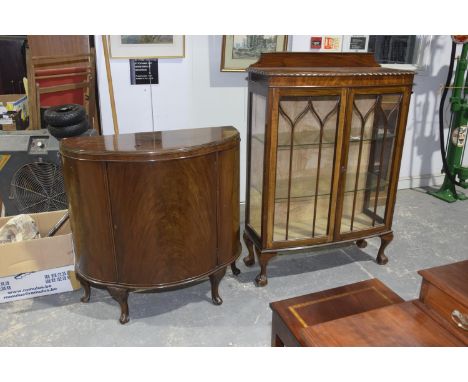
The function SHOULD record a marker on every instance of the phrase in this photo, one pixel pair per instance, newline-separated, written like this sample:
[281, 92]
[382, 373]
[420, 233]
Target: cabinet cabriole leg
[249, 260]
[121, 296]
[361, 243]
[384, 241]
[263, 259]
[215, 279]
[86, 287]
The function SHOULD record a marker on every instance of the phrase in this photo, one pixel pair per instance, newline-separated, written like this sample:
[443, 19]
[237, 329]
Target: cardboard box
[11, 121]
[14, 114]
[38, 267]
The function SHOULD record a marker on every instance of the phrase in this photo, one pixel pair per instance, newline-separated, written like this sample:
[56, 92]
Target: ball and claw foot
[361, 243]
[249, 260]
[235, 271]
[261, 280]
[216, 300]
[382, 259]
[124, 318]
[263, 259]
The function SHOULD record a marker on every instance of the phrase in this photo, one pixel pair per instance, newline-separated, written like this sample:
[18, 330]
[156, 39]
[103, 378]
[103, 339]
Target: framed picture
[355, 43]
[240, 51]
[146, 46]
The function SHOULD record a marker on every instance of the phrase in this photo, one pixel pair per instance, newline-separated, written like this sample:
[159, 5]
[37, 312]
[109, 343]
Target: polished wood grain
[370, 314]
[170, 208]
[157, 146]
[396, 325]
[452, 278]
[90, 218]
[443, 290]
[153, 211]
[312, 60]
[291, 316]
[343, 75]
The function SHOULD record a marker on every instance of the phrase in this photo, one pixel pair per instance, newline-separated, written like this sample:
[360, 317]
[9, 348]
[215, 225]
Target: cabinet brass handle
[460, 319]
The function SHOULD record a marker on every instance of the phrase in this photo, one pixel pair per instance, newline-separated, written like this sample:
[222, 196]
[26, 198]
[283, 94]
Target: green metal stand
[455, 146]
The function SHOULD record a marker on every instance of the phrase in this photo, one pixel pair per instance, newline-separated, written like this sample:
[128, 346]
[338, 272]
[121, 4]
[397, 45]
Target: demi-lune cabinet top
[148, 146]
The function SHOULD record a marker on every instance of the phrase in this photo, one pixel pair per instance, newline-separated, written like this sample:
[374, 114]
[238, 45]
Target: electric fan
[31, 177]
[38, 187]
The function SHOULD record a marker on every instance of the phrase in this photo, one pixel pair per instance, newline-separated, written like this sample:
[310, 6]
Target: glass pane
[305, 157]
[397, 49]
[373, 127]
[258, 111]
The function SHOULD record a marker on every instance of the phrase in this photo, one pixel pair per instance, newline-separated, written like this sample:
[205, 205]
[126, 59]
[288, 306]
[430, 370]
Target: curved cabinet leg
[235, 271]
[263, 259]
[361, 243]
[384, 241]
[249, 260]
[121, 296]
[215, 279]
[87, 289]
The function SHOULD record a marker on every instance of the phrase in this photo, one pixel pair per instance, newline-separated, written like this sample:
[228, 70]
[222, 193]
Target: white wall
[192, 93]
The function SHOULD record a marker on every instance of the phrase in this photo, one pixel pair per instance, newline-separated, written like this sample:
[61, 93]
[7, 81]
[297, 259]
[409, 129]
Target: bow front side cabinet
[153, 211]
[325, 139]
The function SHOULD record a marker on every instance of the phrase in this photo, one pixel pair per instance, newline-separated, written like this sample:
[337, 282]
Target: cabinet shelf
[304, 187]
[310, 139]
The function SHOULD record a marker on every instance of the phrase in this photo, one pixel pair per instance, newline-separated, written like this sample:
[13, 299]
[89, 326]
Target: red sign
[315, 42]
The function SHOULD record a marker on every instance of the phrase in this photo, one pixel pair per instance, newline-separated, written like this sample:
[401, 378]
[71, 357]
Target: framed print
[331, 43]
[240, 51]
[147, 46]
[355, 43]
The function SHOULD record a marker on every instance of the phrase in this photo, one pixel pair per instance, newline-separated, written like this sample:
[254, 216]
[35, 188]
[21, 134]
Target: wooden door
[374, 133]
[304, 166]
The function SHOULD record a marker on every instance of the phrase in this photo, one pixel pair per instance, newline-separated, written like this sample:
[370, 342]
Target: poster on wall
[144, 72]
[331, 43]
[355, 43]
[147, 46]
[324, 44]
[316, 42]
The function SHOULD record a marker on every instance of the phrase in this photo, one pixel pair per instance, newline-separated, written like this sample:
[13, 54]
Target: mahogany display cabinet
[153, 211]
[325, 139]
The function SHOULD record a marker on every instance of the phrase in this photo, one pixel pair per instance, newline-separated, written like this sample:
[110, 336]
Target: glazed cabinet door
[373, 142]
[304, 142]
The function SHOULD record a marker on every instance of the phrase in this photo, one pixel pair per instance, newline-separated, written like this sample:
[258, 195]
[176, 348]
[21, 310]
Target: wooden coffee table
[368, 313]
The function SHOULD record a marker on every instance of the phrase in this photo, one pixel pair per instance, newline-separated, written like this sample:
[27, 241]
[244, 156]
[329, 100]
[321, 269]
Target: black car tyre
[64, 115]
[68, 131]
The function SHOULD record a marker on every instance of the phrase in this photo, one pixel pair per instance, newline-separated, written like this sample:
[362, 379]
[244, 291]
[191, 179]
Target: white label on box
[41, 283]
[6, 121]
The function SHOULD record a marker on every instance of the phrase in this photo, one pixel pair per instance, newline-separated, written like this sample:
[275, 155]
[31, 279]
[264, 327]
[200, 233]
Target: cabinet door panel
[307, 131]
[372, 136]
